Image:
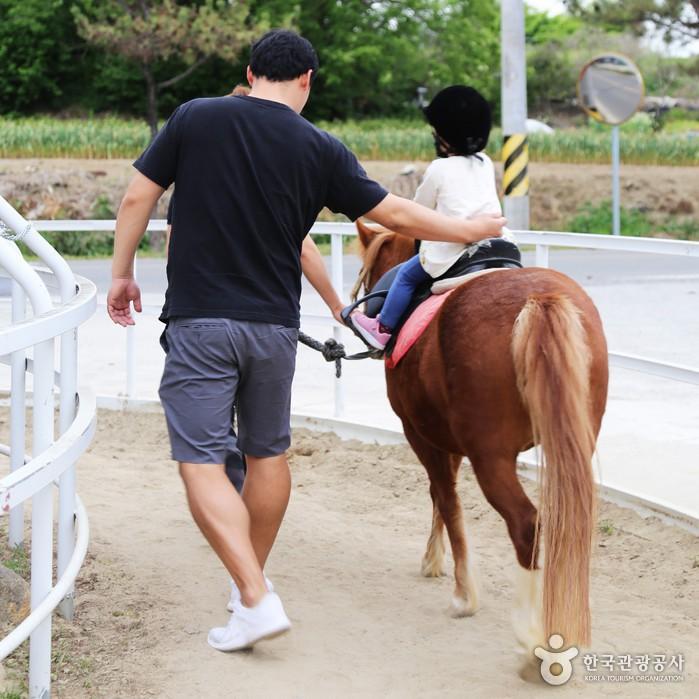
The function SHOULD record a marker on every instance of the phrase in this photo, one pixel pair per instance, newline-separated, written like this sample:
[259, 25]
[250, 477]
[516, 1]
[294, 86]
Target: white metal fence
[542, 240]
[52, 461]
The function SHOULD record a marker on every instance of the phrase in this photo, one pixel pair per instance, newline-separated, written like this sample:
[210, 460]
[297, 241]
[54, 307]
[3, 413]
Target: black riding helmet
[461, 119]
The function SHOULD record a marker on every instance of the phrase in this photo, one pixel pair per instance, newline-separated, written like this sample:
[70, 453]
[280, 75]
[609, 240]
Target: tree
[158, 34]
[463, 45]
[373, 55]
[37, 42]
[677, 20]
[551, 64]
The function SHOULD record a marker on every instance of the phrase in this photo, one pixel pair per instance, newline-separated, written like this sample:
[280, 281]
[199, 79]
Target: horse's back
[487, 307]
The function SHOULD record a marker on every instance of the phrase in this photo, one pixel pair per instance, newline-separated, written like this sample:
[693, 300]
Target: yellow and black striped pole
[513, 88]
[515, 157]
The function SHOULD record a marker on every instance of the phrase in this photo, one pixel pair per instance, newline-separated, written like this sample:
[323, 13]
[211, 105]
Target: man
[251, 177]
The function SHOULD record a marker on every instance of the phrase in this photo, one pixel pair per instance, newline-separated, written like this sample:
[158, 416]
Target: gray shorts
[215, 366]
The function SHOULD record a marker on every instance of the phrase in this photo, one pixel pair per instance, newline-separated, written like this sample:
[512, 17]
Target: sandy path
[346, 564]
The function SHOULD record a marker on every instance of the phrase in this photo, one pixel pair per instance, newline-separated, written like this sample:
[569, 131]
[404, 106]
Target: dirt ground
[66, 188]
[346, 564]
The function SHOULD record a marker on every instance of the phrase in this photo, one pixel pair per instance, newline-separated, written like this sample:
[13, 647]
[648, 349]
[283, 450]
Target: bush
[597, 218]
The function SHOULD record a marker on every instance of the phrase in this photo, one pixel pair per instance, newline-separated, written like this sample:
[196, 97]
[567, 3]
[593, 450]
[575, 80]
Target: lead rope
[334, 351]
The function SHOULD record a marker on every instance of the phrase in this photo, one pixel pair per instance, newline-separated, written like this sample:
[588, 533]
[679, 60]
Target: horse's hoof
[461, 607]
[432, 569]
[529, 670]
[526, 643]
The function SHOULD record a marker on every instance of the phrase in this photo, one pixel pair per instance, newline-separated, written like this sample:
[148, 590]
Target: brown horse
[513, 359]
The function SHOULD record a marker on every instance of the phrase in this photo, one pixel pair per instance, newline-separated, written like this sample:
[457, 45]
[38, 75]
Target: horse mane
[369, 256]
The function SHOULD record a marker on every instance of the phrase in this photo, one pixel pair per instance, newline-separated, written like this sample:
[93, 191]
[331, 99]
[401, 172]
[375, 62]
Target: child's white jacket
[461, 187]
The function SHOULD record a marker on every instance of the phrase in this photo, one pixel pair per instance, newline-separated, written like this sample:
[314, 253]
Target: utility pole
[515, 151]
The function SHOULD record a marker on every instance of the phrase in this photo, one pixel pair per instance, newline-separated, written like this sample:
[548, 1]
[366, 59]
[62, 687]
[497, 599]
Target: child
[459, 183]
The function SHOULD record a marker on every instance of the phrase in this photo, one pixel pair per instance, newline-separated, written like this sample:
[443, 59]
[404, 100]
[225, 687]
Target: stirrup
[347, 312]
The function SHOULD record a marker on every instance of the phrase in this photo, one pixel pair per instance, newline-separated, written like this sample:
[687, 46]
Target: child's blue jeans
[409, 276]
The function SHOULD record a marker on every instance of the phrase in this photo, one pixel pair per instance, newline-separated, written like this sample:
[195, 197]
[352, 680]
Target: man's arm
[141, 196]
[314, 270]
[416, 221]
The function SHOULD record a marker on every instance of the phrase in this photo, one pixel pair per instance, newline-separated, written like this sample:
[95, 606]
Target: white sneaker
[248, 625]
[235, 594]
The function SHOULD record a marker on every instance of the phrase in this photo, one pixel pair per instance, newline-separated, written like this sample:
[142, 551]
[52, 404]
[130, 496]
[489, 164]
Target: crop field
[379, 139]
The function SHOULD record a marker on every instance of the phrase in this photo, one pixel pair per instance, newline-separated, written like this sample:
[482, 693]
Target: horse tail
[552, 363]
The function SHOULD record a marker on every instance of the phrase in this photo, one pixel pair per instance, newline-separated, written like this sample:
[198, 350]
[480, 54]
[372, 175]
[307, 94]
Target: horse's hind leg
[433, 560]
[442, 469]
[497, 476]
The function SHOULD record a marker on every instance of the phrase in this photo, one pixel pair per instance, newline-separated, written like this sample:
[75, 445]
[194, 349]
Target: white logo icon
[556, 658]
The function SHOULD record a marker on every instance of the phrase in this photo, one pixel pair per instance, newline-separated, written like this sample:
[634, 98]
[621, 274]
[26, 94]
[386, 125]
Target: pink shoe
[369, 329]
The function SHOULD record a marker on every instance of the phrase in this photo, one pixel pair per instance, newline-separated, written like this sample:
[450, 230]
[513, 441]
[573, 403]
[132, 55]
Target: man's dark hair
[282, 55]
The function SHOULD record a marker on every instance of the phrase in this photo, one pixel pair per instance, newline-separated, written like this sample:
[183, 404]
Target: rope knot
[334, 351]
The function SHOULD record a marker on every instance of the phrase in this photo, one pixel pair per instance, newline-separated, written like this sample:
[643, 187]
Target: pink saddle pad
[416, 324]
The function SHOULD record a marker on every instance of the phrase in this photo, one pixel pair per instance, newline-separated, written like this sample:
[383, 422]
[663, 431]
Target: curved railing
[53, 460]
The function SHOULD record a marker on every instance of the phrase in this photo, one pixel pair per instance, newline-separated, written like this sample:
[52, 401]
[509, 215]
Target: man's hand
[122, 293]
[488, 226]
[336, 314]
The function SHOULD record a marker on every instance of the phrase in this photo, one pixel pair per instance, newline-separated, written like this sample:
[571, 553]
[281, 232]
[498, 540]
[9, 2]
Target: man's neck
[282, 92]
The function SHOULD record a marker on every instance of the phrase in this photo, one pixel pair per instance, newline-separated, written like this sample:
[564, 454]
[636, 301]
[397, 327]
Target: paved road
[589, 267]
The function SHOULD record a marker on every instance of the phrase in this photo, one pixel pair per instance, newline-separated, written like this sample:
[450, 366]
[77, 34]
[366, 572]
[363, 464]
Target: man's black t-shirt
[251, 177]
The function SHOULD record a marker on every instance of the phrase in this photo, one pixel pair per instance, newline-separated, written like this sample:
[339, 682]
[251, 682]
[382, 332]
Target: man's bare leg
[266, 493]
[223, 519]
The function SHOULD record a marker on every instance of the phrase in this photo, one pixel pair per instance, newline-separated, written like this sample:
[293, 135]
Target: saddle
[492, 253]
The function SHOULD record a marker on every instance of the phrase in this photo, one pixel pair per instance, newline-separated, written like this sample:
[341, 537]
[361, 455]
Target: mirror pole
[616, 204]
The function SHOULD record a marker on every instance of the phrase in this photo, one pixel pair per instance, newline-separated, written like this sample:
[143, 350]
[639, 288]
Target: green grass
[374, 139]
[408, 140]
[597, 218]
[682, 126]
[606, 526]
[17, 560]
[44, 137]
[10, 694]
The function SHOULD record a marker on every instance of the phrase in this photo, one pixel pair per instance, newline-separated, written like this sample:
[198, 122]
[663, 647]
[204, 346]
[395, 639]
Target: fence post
[42, 524]
[542, 255]
[336, 261]
[66, 482]
[17, 413]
